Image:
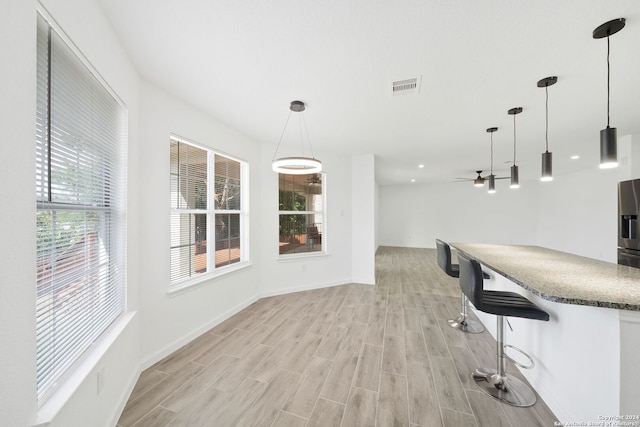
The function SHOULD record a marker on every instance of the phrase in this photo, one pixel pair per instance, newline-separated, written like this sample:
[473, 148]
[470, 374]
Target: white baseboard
[125, 396]
[177, 344]
[284, 291]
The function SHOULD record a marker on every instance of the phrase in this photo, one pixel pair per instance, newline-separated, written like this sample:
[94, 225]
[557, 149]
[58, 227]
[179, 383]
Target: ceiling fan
[314, 180]
[479, 180]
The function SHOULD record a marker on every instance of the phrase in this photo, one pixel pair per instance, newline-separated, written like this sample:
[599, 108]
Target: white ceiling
[243, 61]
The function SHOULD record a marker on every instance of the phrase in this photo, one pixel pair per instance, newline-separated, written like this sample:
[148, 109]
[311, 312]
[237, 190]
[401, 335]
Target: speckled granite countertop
[560, 276]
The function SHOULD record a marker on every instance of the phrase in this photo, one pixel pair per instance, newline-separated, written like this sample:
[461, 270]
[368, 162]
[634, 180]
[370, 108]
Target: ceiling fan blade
[464, 179]
[502, 177]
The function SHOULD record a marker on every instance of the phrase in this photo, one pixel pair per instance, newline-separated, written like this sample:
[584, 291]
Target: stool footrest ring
[515, 362]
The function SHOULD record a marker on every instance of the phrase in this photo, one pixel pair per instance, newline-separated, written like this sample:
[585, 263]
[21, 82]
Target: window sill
[194, 282]
[302, 255]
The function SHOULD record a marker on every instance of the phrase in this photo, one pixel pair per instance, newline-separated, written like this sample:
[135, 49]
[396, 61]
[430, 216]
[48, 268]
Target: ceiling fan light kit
[479, 181]
[296, 165]
[608, 135]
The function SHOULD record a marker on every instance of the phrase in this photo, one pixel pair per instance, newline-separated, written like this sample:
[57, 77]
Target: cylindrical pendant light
[492, 178]
[608, 136]
[515, 182]
[547, 158]
[492, 184]
[608, 148]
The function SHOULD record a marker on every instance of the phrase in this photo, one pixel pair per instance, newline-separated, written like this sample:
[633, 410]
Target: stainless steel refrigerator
[628, 226]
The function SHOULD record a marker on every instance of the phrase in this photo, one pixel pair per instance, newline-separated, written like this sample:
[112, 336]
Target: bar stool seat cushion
[510, 304]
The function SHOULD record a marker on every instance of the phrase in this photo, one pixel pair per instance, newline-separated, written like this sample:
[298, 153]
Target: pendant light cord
[514, 140]
[546, 120]
[301, 138]
[308, 137]
[281, 135]
[491, 153]
[608, 78]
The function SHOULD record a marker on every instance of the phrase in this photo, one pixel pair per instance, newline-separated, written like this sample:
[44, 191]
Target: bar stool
[496, 382]
[462, 323]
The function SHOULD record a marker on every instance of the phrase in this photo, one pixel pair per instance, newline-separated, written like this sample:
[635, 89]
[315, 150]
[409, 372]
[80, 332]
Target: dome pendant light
[492, 178]
[547, 159]
[296, 165]
[515, 183]
[608, 136]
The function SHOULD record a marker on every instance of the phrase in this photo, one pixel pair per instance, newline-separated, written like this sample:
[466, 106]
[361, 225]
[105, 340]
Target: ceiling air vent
[406, 86]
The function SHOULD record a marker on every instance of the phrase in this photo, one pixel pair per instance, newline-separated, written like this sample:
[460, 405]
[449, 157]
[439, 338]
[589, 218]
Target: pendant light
[515, 182]
[547, 158]
[296, 165]
[492, 178]
[608, 136]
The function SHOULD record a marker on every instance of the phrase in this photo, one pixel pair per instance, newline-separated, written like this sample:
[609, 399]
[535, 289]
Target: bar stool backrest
[471, 280]
[444, 257]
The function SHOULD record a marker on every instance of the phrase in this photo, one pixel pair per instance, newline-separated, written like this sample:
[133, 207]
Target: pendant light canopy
[515, 182]
[547, 158]
[492, 178]
[296, 165]
[608, 136]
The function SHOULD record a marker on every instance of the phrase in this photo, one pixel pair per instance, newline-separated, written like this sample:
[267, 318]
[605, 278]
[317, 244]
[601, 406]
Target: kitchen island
[588, 354]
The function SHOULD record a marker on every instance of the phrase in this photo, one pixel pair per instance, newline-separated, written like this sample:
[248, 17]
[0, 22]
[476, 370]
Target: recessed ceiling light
[576, 157]
[413, 180]
[420, 166]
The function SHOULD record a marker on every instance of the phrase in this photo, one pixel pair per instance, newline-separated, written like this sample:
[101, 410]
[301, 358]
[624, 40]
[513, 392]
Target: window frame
[110, 237]
[323, 248]
[211, 211]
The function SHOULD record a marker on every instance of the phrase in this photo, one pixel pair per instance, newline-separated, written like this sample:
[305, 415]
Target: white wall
[363, 205]
[17, 219]
[415, 215]
[376, 213]
[307, 271]
[578, 212]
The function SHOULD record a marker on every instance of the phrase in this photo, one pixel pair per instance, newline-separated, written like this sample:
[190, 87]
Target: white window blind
[80, 194]
[207, 212]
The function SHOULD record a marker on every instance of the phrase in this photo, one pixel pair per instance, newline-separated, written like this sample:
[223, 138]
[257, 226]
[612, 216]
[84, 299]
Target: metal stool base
[506, 389]
[467, 325]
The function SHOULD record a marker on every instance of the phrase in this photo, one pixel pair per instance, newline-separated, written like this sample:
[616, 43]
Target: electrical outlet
[100, 379]
[304, 268]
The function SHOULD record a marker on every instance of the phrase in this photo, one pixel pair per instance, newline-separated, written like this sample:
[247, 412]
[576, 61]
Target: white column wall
[363, 203]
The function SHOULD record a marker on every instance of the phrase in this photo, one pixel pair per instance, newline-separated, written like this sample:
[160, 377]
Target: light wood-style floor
[351, 355]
